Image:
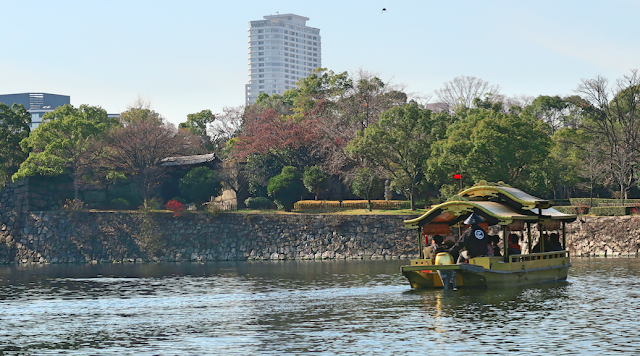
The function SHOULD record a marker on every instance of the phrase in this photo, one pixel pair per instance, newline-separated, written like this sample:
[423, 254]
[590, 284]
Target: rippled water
[296, 307]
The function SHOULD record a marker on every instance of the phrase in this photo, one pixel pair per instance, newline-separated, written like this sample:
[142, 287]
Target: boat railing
[539, 256]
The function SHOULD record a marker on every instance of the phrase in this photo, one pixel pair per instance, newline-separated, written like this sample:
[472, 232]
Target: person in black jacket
[475, 240]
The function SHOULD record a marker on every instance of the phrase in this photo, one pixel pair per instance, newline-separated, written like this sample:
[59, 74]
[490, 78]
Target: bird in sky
[383, 10]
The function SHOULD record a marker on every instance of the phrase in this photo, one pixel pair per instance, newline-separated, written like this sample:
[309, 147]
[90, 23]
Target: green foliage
[602, 201]
[65, 142]
[367, 184]
[611, 210]
[286, 188]
[572, 209]
[315, 180]
[197, 125]
[200, 184]
[14, 127]
[259, 203]
[488, 144]
[399, 142]
[120, 203]
[259, 170]
[140, 115]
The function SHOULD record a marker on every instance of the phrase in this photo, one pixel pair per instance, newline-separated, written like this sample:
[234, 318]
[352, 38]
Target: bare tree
[614, 120]
[227, 124]
[137, 150]
[592, 169]
[461, 92]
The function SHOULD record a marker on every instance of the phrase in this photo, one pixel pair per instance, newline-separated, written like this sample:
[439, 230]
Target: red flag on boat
[457, 176]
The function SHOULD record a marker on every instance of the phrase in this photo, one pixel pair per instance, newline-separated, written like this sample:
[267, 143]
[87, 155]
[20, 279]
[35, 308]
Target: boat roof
[497, 203]
[452, 212]
[553, 214]
[503, 192]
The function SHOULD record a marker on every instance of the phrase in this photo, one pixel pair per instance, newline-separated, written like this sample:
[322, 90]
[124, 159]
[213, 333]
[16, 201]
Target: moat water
[320, 307]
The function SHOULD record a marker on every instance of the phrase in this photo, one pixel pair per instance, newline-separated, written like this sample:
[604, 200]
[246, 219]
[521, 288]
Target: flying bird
[383, 10]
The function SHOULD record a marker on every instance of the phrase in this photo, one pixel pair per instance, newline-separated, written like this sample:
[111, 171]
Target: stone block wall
[34, 230]
[63, 237]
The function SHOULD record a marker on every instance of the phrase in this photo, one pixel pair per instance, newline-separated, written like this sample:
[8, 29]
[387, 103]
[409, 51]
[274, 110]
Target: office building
[37, 104]
[282, 50]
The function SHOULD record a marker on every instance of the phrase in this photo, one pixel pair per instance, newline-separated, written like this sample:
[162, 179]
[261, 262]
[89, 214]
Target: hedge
[611, 210]
[605, 202]
[351, 204]
[259, 203]
[572, 209]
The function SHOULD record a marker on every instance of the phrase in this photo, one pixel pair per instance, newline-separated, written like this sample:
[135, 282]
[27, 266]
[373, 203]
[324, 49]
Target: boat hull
[493, 272]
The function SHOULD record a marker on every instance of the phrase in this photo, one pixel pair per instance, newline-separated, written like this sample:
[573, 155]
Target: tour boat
[503, 207]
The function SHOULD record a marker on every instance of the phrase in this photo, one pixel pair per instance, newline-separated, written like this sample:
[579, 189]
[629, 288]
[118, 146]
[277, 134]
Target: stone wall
[605, 236]
[34, 230]
[62, 237]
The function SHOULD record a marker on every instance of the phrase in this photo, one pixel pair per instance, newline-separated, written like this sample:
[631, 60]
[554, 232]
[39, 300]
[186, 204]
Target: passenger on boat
[474, 240]
[495, 239]
[436, 246]
[553, 244]
[536, 248]
[514, 245]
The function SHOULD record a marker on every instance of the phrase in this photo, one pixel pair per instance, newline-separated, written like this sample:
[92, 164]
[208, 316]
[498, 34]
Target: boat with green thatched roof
[504, 209]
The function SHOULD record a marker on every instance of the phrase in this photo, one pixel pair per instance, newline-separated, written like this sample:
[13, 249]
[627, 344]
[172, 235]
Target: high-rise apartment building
[282, 50]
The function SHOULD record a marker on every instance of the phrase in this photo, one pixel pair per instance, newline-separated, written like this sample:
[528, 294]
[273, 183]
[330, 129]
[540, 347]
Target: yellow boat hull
[493, 272]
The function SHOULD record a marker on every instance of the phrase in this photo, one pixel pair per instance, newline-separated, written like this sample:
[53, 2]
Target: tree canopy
[400, 143]
[14, 127]
[65, 143]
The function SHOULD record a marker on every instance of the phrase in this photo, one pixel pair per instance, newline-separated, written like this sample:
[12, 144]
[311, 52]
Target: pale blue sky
[187, 56]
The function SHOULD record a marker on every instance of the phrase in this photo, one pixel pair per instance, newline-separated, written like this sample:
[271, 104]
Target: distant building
[282, 50]
[37, 104]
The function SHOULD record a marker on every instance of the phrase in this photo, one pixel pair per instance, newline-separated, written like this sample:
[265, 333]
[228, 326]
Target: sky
[187, 56]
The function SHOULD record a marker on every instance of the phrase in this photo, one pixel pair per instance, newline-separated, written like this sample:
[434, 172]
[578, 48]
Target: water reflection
[337, 307]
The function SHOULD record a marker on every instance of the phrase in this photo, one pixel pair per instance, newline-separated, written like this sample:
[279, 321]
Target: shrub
[572, 209]
[286, 188]
[611, 210]
[200, 184]
[73, 204]
[259, 203]
[351, 204]
[175, 206]
[212, 208]
[315, 180]
[602, 201]
[120, 203]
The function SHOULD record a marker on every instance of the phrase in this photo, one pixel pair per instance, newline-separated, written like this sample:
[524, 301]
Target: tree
[315, 180]
[286, 188]
[200, 184]
[14, 127]
[65, 143]
[198, 124]
[137, 149]
[553, 110]
[461, 91]
[400, 143]
[367, 184]
[493, 146]
[140, 111]
[612, 116]
[270, 133]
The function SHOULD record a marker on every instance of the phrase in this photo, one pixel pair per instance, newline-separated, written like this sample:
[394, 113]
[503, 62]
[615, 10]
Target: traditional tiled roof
[188, 160]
